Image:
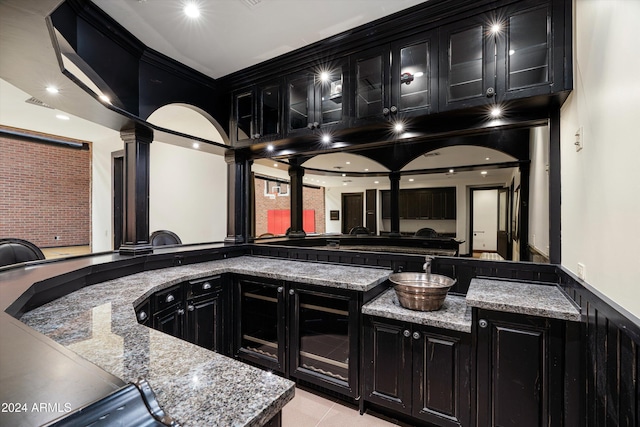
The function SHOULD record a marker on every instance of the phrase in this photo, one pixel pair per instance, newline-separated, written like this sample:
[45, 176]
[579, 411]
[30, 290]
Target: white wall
[101, 203]
[188, 193]
[601, 183]
[539, 190]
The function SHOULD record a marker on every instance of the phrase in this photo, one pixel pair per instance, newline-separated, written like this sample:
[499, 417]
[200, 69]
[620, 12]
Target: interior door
[504, 237]
[352, 211]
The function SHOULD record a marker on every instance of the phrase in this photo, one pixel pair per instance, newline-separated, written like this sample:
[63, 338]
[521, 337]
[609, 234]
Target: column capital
[136, 133]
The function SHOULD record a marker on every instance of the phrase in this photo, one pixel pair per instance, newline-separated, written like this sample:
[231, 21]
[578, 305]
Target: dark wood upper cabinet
[467, 63]
[396, 80]
[500, 55]
[497, 55]
[315, 100]
[422, 203]
[257, 114]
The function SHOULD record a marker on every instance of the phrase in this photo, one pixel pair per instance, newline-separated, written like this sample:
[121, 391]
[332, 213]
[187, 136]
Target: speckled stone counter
[522, 298]
[454, 314]
[195, 386]
[400, 249]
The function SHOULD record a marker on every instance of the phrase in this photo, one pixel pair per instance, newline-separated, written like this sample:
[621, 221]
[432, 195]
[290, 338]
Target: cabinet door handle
[406, 333]
[280, 289]
[142, 315]
[416, 335]
[206, 286]
[180, 311]
[385, 111]
[170, 298]
[394, 109]
[191, 307]
[490, 92]
[292, 292]
[483, 323]
[316, 125]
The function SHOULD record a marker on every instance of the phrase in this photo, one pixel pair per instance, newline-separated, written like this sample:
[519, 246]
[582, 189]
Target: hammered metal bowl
[421, 291]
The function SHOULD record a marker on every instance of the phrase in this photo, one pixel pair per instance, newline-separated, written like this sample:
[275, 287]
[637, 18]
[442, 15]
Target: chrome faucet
[427, 263]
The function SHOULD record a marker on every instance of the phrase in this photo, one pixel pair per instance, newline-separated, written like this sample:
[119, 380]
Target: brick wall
[313, 198]
[45, 191]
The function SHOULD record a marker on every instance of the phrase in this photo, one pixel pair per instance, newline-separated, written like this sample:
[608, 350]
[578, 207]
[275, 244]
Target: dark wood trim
[555, 185]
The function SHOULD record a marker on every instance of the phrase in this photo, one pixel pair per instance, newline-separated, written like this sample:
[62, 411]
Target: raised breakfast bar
[80, 337]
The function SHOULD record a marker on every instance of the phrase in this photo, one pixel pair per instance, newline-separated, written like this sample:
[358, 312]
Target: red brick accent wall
[45, 191]
[313, 199]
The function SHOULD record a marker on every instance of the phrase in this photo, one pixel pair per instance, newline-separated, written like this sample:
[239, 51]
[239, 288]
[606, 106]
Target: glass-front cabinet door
[371, 79]
[527, 52]
[257, 114]
[315, 101]
[260, 322]
[468, 65]
[414, 76]
[322, 338]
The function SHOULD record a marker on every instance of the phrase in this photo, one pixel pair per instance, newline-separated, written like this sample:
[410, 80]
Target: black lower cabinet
[204, 314]
[323, 337]
[520, 370]
[310, 333]
[418, 371]
[259, 319]
[192, 311]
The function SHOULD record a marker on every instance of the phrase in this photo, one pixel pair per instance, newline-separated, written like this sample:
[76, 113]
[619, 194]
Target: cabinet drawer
[167, 298]
[204, 286]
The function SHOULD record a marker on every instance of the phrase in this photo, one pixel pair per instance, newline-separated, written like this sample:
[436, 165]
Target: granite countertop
[454, 314]
[195, 386]
[400, 249]
[522, 298]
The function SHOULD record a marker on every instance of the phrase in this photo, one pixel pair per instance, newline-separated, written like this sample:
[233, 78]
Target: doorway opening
[490, 224]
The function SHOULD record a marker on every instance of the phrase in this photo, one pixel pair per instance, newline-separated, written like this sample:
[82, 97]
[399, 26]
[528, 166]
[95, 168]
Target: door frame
[344, 210]
[470, 231]
[117, 191]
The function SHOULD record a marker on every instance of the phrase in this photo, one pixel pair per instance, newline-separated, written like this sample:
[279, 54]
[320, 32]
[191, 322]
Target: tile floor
[308, 409]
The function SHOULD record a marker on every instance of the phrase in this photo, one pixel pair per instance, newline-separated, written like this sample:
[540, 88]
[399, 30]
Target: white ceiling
[229, 35]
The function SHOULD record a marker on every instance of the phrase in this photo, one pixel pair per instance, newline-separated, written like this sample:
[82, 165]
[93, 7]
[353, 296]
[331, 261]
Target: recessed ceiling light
[52, 89]
[62, 117]
[105, 98]
[344, 183]
[451, 171]
[487, 158]
[275, 165]
[366, 170]
[376, 182]
[324, 76]
[495, 28]
[196, 145]
[191, 10]
[398, 127]
[496, 112]
[326, 139]
[411, 179]
[344, 174]
[348, 163]
[483, 173]
[269, 147]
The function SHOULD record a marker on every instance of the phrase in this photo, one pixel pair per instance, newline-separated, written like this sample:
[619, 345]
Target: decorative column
[238, 196]
[296, 173]
[394, 178]
[137, 140]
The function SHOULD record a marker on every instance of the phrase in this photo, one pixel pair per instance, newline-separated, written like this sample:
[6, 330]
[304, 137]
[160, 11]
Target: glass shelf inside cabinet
[528, 49]
[465, 63]
[260, 320]
[331, 98]
[369, 95]
[324, 335]
[414, 77]
[298, 103]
